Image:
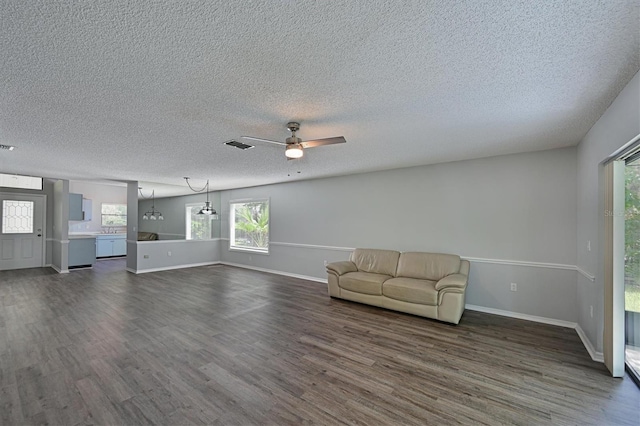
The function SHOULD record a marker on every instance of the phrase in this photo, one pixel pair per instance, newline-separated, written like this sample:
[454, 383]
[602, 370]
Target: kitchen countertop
[80, 235]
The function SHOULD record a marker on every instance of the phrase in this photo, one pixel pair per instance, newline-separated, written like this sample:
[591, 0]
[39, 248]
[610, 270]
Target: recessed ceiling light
[7, 147]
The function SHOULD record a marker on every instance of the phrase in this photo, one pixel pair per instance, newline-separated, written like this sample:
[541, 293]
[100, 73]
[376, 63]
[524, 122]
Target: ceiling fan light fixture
[294, 145]
[293, 150]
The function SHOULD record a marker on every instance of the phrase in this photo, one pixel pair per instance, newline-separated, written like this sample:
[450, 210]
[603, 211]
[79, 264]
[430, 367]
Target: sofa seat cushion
[363, 282]
[411, 290]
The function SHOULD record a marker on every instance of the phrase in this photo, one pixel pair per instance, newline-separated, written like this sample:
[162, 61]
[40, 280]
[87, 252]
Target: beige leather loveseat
[431, 285]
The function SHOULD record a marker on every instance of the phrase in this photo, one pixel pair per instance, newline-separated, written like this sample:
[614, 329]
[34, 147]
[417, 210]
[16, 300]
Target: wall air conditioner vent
[238, 145]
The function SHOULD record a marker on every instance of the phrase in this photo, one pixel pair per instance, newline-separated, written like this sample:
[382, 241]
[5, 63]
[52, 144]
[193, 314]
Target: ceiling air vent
[238, 145]
[7, 147]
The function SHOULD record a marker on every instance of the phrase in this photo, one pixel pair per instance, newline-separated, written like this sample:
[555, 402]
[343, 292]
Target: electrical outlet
[591, 311]
[325, 263]
[514, 287]
[589, 245]
[146, 256]
[169, 253]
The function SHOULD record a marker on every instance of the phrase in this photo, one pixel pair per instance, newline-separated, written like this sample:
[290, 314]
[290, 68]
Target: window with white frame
[249, 225]
[198, 226]
[114, 214]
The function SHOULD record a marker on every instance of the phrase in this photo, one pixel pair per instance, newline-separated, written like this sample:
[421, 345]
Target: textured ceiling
[150, 90]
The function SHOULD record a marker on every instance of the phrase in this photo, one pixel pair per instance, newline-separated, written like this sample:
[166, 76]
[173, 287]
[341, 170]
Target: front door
[22, 237]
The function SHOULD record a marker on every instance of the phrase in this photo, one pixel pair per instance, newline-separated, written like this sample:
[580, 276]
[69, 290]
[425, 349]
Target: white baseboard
[58, 270]
[534, 318]
[273, 271]
[168, 268]
[595, 355]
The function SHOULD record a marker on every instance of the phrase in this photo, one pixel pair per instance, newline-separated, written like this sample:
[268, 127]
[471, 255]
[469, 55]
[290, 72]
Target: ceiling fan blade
[263, 140]
[320, 142]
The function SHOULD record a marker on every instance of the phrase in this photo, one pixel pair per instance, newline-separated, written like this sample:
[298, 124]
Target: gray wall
[617, 126]
[172, 250]
[510, 208]
[132, 226]
[60, 244]
[173, 210]
[170, 254]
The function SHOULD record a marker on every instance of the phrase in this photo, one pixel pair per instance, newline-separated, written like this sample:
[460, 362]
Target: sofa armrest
[341, 268]
[452, 281]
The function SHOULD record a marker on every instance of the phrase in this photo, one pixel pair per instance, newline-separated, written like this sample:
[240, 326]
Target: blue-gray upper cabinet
[79, 208]
[75, 207]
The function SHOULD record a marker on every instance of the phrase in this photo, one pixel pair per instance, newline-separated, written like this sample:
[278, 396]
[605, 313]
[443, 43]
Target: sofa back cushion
[376, 261]
[427, 266]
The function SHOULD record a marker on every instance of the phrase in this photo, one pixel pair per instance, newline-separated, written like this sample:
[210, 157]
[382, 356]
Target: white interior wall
[98, 193]
[618, 125]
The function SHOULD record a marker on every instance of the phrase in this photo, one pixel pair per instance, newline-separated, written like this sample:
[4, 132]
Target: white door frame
[43, 197]
[613, 333]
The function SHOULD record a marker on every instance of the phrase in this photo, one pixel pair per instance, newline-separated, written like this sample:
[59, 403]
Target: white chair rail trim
[511, 262]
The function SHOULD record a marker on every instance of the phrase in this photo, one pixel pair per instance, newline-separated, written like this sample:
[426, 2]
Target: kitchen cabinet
[75, 206]
[111, 245]
[79, 208]
[82, 251]
[87, 210]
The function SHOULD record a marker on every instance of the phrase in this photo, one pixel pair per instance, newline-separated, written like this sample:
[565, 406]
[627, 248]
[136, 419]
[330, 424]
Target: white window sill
[248, 250]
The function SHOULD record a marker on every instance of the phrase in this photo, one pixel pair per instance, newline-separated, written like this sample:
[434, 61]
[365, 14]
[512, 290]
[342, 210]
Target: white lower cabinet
[111, 245]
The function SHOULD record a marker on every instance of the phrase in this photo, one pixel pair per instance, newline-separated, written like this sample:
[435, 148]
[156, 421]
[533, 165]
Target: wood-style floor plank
[222, 345]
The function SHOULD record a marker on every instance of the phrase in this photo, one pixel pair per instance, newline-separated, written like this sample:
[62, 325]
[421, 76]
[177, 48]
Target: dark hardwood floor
[223, 345]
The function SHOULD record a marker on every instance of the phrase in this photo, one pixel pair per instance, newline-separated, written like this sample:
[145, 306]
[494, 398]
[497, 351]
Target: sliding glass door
[632, 267]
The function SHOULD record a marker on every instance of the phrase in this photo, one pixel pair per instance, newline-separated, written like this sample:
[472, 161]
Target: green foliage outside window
[199, 226]
[632, 238]
[250, 225]
[114, 214]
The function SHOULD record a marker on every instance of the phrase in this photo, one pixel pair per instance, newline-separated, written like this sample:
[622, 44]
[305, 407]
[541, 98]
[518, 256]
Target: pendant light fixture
[207, 209]
[152, 214]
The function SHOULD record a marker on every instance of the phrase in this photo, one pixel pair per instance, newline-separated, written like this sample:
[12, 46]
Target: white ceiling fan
[294, 145]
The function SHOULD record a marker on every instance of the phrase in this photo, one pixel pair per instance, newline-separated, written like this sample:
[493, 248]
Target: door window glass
[17, 217]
